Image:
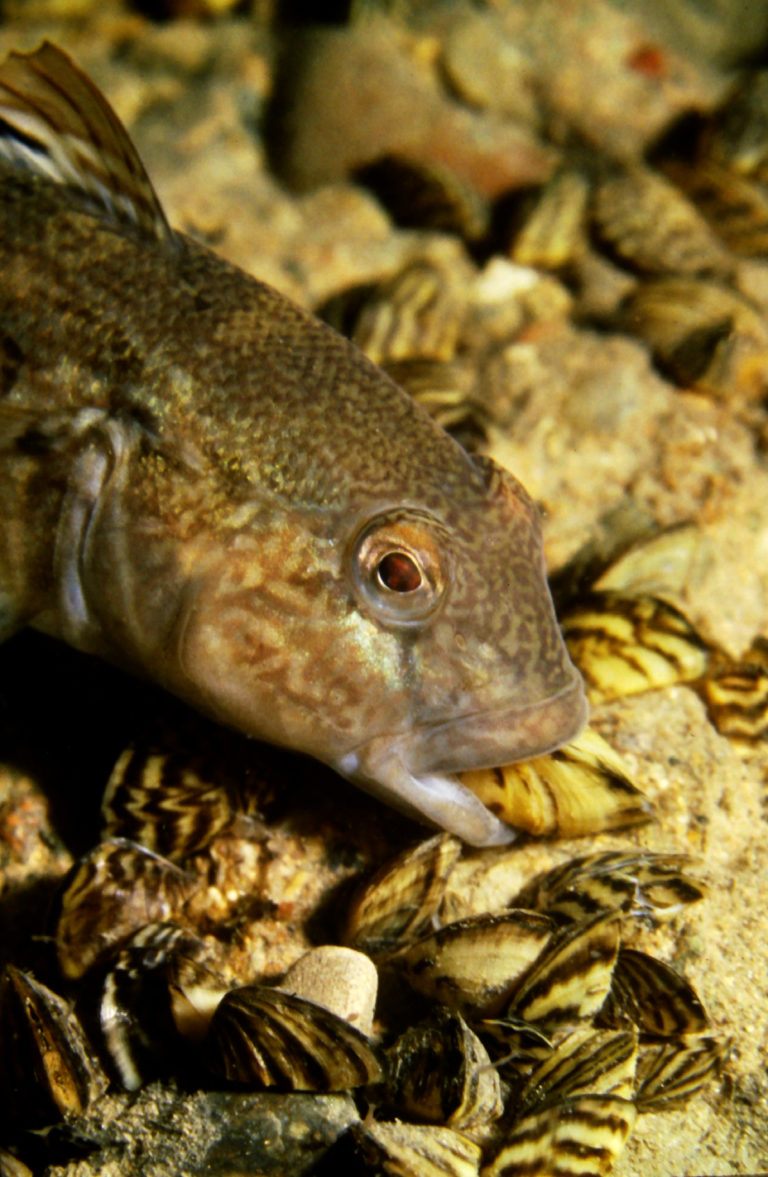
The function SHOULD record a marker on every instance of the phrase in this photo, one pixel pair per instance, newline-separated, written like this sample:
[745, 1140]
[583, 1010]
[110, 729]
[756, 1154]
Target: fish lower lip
[441, 800]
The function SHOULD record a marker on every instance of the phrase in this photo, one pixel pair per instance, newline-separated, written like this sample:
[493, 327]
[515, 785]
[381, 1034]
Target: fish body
[203, 483]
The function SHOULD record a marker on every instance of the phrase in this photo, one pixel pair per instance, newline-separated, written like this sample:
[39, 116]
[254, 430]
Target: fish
[203, 484]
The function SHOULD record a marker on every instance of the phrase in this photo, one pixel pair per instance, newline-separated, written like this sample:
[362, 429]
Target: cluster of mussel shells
[519, 1040]
[497, 1042]
[528, 1030]
[669, 248]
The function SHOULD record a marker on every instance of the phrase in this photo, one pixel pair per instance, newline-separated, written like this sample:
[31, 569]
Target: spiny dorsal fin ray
[54, 122]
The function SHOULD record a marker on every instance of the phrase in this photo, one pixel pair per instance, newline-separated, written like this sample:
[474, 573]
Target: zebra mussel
[518, 1015]
[528, 1027]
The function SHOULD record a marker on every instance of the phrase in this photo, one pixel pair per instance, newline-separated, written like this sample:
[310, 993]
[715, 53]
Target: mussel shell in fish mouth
[415, 769]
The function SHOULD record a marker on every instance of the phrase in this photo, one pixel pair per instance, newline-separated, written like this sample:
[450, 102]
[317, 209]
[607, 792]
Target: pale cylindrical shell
[341, 979]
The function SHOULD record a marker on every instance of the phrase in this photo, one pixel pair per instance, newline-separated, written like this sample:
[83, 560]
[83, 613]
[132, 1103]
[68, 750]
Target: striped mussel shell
[415, 315]
[11, 1166]
[155, 1000]
[735, 206]
[726, 172]
[647, 562]
[426, 195]
[447, 389]
[584, 1062]
[572, 976]
[179, 786]
[702, 334]
[637, 883]
[578, 1137]
[263, 1037]
[440, 1073]
[735, 693]
[583, 788]
[403, 898]
[405, 1150]
[624, 644]
[108, 895]
[553, 232]
[648, 993]
[736, 134]
[49, 1071]
[670, 1072]
[649, 226]
[475, 964]
[165, 809]
[515, 1045]
[517, 964]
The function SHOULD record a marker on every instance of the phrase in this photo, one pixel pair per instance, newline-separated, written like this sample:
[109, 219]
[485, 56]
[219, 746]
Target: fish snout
[502, 734]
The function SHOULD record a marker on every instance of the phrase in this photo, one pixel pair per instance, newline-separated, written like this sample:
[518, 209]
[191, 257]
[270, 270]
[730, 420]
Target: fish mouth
[415, 770]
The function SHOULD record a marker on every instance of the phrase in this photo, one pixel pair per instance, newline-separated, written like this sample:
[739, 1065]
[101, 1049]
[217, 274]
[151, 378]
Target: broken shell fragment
[261, 1036]
[638, 884]
[474, 965]
[403, 898]
[108, 895]
[582, 788]
[624, 644]
[652, 996]
[48, 1070]
[581, 1137]
[340, 979]
[441, 1073]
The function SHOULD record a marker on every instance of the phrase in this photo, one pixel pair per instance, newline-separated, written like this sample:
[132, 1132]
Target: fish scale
[204, 484]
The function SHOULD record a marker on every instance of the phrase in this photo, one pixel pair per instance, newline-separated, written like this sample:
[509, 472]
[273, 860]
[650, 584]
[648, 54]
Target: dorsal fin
[54, 122]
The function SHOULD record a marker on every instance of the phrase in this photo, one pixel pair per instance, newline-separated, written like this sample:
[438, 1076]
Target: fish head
[249, 511]
[400, 643]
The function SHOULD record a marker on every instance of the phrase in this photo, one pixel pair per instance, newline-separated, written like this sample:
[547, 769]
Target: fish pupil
[398, 572]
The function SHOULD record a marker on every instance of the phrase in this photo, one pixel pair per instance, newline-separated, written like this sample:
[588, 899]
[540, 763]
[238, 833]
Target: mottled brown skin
[187, 463]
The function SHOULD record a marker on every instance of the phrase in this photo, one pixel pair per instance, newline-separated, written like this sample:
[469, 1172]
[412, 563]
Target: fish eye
[398, 567]
[399, 572]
